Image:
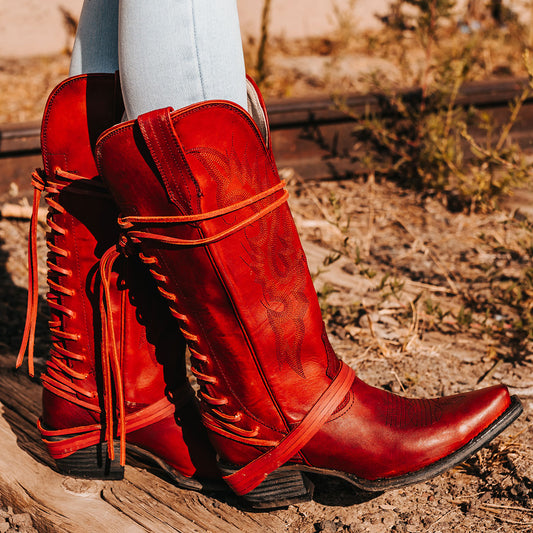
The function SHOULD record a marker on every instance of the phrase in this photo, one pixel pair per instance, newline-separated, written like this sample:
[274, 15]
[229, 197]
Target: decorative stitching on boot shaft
[130, 225]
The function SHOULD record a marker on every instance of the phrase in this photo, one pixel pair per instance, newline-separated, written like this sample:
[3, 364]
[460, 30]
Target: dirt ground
[415, 298]
[414, 258]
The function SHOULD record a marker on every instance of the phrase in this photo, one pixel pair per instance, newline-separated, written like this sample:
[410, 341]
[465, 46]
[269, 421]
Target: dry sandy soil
[393, 312]
[404, 285]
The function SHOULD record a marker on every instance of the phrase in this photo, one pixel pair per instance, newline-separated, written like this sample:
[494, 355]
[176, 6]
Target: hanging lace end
[112, 375]
[28, 337]
[123, 441]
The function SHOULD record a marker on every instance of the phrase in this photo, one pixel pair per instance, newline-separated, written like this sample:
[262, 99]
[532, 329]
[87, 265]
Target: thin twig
[490, 371]
[426, 286]
[514, 115]
[413, 327]
[440, 518]
[447, 274]
[384, 350]
[371, 215]
[399, 381]
[514, 522]
[508, 507]
[314, 198]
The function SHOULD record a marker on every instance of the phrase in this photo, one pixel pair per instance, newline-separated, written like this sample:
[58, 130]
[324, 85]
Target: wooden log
[54, 502]
[22, 212]
[143, 501]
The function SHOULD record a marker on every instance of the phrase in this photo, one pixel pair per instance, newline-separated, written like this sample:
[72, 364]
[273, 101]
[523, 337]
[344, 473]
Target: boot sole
[93, 463]
[183, 482]
[288, 484]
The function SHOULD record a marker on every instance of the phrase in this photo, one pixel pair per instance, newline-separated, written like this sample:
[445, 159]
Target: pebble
[326, 526]
[400, 527]
[21, 520]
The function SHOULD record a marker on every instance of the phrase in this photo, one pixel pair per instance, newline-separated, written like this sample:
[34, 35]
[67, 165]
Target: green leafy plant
[422, 138]
[261, 64]
[508, 304]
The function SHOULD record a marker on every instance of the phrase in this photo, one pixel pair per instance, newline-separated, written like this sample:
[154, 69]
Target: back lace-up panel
[59, 372]
[60, 377]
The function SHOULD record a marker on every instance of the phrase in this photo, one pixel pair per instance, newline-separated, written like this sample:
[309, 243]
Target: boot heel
[92, 463]
[281, 488]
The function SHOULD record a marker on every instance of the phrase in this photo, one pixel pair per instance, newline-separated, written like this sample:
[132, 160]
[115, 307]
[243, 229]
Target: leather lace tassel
[112, 376]
[28, 339]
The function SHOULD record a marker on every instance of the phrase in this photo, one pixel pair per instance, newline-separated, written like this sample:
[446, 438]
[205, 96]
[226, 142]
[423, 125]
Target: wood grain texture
[56, 503]
[143, 501]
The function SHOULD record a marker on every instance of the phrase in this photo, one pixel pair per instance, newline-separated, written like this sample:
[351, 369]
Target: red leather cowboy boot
[129, 384]
[201, 197]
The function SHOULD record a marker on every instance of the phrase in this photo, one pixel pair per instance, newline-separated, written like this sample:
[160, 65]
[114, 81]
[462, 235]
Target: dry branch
[23, 212]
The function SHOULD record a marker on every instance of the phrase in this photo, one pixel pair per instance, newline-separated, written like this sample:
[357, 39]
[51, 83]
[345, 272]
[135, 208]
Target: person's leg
[179, 52]
[96, 45]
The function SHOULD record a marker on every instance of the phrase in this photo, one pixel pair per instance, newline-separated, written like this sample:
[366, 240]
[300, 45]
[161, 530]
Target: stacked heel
[92, 463]
[281, 488]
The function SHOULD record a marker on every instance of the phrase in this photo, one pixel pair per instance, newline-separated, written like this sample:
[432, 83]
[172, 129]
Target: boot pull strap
[168, 155]
[253, 474]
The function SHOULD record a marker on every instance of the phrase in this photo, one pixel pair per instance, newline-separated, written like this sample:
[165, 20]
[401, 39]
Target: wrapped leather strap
[249, 477]
[85, 436]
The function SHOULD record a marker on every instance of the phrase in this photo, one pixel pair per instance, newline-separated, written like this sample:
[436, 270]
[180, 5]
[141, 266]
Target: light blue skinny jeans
[168, 52]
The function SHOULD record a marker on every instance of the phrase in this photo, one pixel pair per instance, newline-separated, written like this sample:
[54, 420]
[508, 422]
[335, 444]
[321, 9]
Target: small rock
[354, 528]
[520, 491]
[349, 268]
[327, 526]
[21, 520]
[4, 526]
[387, 507]
[400, 527]
[389, 520]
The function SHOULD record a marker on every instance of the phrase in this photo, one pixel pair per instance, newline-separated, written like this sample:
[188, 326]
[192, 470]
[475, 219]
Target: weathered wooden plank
[17, 169]
[145, 510]
[311, 135]
[21, 398]
[205, 513]
[54, 504]
[141, 502]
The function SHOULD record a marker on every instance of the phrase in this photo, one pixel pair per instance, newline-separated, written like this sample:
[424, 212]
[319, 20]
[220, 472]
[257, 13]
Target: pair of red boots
[203, 208]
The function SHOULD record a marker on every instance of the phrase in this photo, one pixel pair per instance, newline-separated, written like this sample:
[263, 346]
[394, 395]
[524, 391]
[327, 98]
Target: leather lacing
[195, 354]
[128, 223]
[60, 378]
[251, 475]
[57, 369]
[134, 235]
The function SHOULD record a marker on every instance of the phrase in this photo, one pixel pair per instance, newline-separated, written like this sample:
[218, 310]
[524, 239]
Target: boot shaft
[201, 199]
[116, 370]
[82, 219]
[247, 302]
